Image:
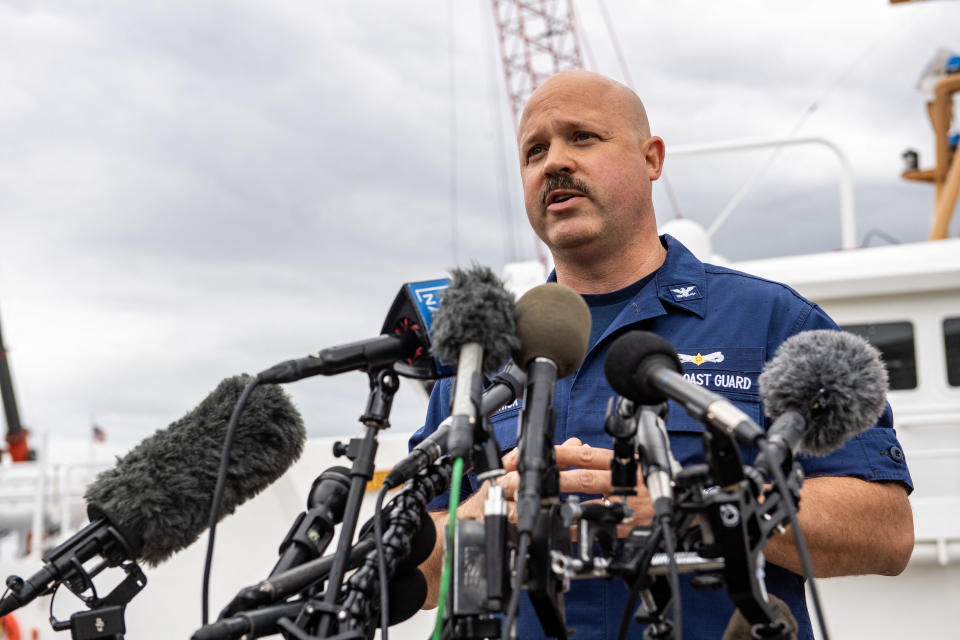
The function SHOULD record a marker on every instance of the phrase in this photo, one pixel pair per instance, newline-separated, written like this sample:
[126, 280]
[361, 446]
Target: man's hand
[584, 469]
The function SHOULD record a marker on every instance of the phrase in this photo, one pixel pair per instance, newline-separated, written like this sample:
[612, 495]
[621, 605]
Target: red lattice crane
[538, 38]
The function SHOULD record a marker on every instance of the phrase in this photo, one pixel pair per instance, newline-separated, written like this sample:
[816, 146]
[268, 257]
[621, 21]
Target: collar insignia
[683, 293]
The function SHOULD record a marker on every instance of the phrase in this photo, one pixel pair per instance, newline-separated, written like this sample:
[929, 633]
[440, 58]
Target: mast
[16, 434]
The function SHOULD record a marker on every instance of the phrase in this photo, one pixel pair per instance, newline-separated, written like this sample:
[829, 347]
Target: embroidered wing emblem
[699, 359]
[684, 292]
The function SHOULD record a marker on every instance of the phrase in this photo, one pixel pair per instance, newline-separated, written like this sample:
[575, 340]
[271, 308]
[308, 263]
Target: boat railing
[42, 502]
[848, 223]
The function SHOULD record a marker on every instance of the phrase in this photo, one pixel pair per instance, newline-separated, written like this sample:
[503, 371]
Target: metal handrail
[848, 223]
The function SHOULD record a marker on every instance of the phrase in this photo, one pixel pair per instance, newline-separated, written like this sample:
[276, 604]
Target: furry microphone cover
[834, 379]
[159, 494]
[475, 308]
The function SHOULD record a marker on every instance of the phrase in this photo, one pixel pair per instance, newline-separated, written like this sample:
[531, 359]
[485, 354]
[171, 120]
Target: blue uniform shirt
[725, 325]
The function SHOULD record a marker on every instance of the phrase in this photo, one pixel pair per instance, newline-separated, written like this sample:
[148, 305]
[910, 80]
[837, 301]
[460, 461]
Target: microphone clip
[104, 618]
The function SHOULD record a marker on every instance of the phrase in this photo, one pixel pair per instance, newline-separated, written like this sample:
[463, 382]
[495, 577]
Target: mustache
[562, 181]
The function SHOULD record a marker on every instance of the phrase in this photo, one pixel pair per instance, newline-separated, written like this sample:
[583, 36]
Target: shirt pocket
[731, 372]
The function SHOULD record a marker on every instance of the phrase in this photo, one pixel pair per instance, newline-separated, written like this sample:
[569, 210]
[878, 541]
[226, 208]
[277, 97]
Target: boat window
[894, 340]
[951, 340]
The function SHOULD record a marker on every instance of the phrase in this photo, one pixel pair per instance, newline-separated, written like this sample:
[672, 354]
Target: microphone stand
[384, 383]
[741, 526]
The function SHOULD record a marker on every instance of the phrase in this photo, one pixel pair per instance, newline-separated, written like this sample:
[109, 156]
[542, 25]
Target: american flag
[98, 434]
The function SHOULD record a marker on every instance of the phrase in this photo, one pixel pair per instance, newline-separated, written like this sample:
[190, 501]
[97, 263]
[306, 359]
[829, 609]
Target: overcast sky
[189, 190]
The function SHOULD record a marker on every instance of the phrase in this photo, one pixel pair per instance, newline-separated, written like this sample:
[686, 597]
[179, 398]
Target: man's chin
[580, 247]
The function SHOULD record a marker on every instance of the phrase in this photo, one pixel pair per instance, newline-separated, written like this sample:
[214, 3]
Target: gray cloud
[190, 190]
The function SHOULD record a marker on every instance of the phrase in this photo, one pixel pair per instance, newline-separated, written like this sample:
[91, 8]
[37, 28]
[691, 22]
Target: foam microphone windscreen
[477, 308]
[406, 594]
[421, 546]
[159, 494]
[629, 361]
[553, 322]
[739, 629]
[834, 379]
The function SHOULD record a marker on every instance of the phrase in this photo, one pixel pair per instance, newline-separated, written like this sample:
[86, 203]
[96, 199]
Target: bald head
[589, 86]
[587, 163]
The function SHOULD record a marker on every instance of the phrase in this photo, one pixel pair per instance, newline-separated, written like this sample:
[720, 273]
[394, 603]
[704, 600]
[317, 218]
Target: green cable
[456, 477]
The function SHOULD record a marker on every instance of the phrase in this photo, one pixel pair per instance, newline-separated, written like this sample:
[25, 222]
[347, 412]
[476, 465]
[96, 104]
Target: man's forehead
[566, 117]
[575, 98]
[559, 95]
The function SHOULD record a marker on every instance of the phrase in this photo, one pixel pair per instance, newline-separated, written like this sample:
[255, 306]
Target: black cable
[381, 562]
[218, 493]
[521, 567]
[404, 516]
[669, 546]
[802, 550]
[635, 588]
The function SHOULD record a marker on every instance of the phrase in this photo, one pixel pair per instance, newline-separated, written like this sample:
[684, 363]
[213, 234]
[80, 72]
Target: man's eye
[580, 136]
[535, 149]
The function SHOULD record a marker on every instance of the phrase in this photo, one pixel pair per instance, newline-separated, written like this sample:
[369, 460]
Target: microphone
[507, 386]
[156, 500]
[644, 367]
[474, 327]
[313, 529]
[553, 324]
[405, 595]
[281, 585]
[421, 546]
[822, 387]
[404, 342]
[407, 592]
[249, 624]
[658, 461]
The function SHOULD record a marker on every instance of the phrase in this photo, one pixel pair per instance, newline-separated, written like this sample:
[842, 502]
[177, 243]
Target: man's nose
[559, 160]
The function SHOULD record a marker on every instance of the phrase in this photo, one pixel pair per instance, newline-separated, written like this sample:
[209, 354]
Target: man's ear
[653, 154]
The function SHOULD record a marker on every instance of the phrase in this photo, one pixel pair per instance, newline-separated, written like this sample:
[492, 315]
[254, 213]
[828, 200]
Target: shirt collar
[680, 282]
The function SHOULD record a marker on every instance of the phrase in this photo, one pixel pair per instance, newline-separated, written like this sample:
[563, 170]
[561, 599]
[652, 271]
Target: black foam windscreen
[630, 361]
[421, 546]
[476, 307]
[159, 493]
[834, 379]
[407, 593]
[553, 322]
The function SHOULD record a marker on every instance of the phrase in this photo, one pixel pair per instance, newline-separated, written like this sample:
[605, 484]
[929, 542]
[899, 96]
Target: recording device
[474, 327]
[404, 342]
[821, 388]
[507, 386]
[156, 500]
[644, 367]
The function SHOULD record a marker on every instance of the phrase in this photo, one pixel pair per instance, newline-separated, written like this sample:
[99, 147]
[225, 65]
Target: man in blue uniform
[587, 164]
